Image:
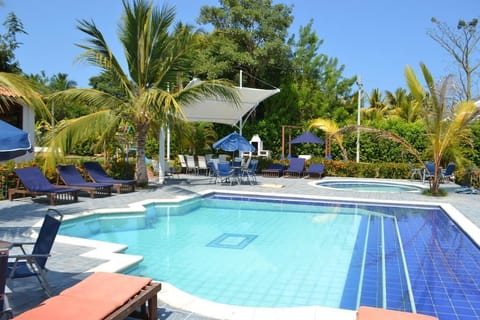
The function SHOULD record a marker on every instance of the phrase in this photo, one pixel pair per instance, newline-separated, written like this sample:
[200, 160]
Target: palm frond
[23, 89]
[97, 53]
[68, 133]
[98, 100]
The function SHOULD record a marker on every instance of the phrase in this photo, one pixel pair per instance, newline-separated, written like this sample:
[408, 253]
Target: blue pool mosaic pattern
[365, 258]
[232, 241]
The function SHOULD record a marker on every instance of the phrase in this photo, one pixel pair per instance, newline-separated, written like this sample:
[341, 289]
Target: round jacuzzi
[369, 186]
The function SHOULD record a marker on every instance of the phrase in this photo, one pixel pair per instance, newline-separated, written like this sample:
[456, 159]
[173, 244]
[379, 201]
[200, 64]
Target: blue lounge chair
[428, 171]
[315, 170]
[71, 177]
[295, 168]
[274, 170]
[35, 184]
[98, 175]
[33, 264]
[447, 174]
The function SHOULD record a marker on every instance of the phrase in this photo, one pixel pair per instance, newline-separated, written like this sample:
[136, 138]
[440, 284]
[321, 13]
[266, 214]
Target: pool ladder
[378, 247]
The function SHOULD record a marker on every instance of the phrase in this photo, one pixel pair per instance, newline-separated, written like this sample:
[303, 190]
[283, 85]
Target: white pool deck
[73, 259]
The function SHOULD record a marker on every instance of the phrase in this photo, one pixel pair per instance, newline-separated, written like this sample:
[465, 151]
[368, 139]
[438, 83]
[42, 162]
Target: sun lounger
[71, 177]
[315, 170]
[370, 313]
[295, 168]
[98, 175]
[101, 296]
[36, 184]
[275, 170]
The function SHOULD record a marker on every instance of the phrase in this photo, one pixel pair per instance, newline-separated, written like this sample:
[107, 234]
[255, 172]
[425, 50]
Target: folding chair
[33, 265]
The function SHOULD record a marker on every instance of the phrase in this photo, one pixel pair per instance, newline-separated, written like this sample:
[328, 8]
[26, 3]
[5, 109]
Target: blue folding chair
[34, 264]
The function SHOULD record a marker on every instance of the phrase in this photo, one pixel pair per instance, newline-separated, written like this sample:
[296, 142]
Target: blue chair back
[33, 179]
[224, 169]
[449, 170]
[46, 237]
[95, 170]
[296, 164]
[316, 168]
[70, 174]
[430, 167]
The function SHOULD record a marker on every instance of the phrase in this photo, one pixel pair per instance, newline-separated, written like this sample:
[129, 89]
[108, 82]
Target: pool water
[285, 252]
[369, 186]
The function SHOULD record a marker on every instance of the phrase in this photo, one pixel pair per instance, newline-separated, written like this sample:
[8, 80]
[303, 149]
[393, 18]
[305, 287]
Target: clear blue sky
[374, 39]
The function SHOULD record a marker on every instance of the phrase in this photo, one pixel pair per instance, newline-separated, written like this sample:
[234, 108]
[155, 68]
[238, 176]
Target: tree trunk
[141, 167]
[435, 183]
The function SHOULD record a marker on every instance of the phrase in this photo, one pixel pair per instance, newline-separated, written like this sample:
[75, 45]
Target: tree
[446, 125]
[317, 78]
[157, 54]
[463, 46]
[249, 35]
[9, 43]
[402, 106]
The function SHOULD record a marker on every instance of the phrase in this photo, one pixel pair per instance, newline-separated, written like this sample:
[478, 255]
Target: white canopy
[222, 111]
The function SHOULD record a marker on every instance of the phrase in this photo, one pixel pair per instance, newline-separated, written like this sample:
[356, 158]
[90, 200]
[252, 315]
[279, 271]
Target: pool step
[384, 281]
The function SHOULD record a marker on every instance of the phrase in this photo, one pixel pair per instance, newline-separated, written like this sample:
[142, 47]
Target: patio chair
[315, 170]
[183, 163]
[274, 170]
[98, 175]
[36, 184]
[102, 295]
[415, 172]
[447, 174]
[71, 177]
[191, 165]
[33, 264]
[295, 168]
[250, 171]
[428, 171]
[5, 310]
[213, 171]
[202, 165]
[226, 173]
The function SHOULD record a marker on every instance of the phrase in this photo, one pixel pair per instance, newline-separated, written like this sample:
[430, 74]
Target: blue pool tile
[232, 241]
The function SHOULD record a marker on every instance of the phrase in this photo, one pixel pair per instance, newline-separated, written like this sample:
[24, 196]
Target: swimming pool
[372, 186]
[402, 257]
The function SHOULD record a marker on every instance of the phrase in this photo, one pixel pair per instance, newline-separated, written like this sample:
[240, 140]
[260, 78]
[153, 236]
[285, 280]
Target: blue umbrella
[234, 142]
[13, 142]
[307, 137]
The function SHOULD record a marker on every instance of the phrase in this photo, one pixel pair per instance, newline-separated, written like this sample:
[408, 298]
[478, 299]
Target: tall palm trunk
[141, 167]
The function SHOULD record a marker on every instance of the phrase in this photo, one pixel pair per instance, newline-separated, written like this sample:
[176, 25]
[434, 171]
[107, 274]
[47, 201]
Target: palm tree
[156, 59]
[446, 124]
[331, 130]
[403, 106]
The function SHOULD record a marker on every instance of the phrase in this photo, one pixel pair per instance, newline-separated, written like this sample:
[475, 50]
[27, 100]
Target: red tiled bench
[370, 313]
[101, 296]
